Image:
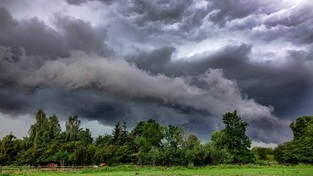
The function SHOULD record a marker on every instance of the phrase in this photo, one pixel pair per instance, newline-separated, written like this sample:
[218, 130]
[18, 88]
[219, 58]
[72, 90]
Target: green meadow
[236, 170]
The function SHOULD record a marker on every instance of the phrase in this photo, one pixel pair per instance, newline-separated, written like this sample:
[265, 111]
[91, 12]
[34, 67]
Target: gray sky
[184, 63]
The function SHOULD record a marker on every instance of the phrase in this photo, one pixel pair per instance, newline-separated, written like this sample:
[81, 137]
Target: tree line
[149, 143]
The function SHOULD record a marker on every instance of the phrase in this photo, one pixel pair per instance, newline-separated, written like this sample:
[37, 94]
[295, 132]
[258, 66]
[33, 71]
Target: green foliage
[5, 174]
[148, 134]
[84, 135]
[300, 149]
[300, 126]
[217, 155]
[149, 143]
[232, 141]
[103, 140]
[262, 153]
[61, 157]
[38, 132]
[9, 147]
[120, 135]
[72, 128]
[236, 140]
[194, 152]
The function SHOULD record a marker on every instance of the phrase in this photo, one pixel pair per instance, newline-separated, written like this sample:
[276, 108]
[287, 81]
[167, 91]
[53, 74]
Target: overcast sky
[184, 63]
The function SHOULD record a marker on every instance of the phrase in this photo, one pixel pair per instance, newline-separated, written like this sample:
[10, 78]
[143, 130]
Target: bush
[4, 174]
[261, 162]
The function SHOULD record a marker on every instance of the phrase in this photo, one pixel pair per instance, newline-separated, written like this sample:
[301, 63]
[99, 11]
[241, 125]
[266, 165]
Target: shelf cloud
[184, 63]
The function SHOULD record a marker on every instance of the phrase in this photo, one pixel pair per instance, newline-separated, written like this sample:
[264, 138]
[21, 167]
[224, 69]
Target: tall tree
[72, 128]
[84, 135]
[150, 134]
[172, 145]
[234, 138]
[120, 134]
[38, 132]
[300, 126]
[54, 127]
[102, 140]
[147, 136]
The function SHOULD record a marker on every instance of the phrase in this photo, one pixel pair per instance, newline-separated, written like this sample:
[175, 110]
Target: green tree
[219, 139]
[217, 151]
[102, 140]
[54, 127]
[216, 155]
[9, 149]
[300, 149]
[146, 135]
[287, 153]
[262, 153]
[61, 157]
[72, 128]
[38, 132]
[191, 149]
[234, 139]
[172, 145]
[300, 127]
[120, 135]
[84, 135]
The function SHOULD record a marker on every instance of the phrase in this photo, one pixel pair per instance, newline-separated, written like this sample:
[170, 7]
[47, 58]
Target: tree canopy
[233, 139]
[148, 143]
[300, 149]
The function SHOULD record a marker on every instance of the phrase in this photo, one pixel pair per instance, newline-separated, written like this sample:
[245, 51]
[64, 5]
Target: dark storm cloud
[155, 17]
[294, 24]
[39, 39]
[146, 11]
[191, 66]
[155, 61]
[117, 78]
[13, 101]
[93, 105]
[282, 87]
[229, 10]
[31, 34]
[87, 103]
[181, 62]
[298, 14]
[76, 2]
[168, 11]
[108, 110]
[79, 35]
[80, 2]
[123, 79]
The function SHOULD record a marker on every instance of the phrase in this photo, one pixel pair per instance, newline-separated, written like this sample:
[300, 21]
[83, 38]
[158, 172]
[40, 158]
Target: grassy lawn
[210, 170]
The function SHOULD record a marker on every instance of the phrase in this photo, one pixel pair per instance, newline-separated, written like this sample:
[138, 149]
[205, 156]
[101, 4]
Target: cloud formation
[209, 93]
[276, 81]
[180, 62]
[39, 39]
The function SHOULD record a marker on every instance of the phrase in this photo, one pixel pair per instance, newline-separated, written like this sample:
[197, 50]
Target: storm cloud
[39, 39]
[180, 62]
[276, 81]
[209, 93]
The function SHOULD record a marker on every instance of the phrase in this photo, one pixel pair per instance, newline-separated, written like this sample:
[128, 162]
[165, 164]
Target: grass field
[220, 170]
